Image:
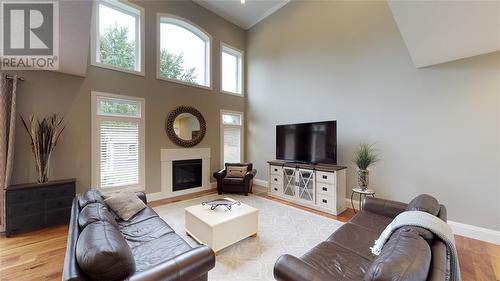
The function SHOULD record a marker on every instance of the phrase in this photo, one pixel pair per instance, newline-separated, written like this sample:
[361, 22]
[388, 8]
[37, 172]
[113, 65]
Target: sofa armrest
[383, 207]
[142, 196]
[186, 266]
[250, 175]
[71, 271]
[290, 268]
[219, 175]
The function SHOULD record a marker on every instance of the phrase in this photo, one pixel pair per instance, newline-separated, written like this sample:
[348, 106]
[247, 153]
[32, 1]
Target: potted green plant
[44, 135]
[364, 157]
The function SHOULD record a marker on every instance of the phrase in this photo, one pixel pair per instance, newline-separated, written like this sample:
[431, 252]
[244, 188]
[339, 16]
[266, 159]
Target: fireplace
[186, 174]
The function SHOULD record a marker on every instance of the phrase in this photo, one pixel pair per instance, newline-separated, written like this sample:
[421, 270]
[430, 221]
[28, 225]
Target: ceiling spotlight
[242, 1]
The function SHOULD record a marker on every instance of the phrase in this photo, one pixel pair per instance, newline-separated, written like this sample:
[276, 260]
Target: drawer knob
[324, 201]
[275, 189]
[275, 179]
[325, 189]
[275, 170]
[325, 177]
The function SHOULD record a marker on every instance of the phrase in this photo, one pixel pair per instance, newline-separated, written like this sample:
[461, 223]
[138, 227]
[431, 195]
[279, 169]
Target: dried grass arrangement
[44, 135]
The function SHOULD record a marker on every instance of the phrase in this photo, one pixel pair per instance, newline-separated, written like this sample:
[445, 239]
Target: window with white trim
[183, 52]
[231, 70]
[231, 136]
[118, 36]
[118, 142]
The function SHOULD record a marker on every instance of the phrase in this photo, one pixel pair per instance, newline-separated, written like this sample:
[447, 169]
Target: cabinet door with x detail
[289, 188]
[306, 186]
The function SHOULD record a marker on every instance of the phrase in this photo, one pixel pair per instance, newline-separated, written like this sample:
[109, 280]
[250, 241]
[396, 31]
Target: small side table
[361, 193]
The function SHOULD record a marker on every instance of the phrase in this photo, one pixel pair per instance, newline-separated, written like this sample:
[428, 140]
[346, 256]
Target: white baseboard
[261, 182]
[164, 195]
[475, 232]
[462, 229]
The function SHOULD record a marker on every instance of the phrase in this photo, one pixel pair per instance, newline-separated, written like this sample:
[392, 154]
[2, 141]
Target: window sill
[184, 83]
[232, 94]
[110, 67]
[115, 189]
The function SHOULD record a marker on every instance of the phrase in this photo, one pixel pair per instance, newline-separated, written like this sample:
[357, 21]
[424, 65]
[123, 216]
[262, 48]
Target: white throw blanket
[432, 223]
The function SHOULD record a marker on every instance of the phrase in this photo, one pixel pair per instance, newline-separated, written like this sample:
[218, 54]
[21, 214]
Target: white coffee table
[221, 227]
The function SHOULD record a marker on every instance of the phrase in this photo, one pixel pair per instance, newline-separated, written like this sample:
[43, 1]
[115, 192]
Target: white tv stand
[321, 187]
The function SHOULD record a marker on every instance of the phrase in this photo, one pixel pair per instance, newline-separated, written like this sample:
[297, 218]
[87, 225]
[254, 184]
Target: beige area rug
[282, 230]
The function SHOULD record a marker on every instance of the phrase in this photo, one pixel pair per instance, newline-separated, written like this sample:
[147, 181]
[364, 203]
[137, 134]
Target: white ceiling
[244, 15]
[441, 31]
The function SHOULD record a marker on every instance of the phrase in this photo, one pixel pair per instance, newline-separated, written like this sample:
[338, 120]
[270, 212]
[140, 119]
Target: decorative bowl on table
[221, 202]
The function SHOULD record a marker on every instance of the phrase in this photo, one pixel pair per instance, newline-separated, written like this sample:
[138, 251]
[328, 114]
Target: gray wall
[45, 93]
[437, 128]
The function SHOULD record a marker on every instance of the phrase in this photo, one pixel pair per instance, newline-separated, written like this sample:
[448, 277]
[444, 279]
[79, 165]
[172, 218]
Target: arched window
[183, 51]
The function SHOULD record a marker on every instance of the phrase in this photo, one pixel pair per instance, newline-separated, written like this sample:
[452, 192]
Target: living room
[250, 140]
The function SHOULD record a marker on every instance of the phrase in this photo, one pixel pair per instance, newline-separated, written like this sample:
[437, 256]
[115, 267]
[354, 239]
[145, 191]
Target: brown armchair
[235, 185]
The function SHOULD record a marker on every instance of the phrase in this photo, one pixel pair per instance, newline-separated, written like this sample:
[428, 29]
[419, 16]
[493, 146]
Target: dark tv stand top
[312, 166]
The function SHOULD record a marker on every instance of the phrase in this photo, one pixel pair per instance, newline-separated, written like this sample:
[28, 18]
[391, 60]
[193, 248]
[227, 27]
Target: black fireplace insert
[186, 174]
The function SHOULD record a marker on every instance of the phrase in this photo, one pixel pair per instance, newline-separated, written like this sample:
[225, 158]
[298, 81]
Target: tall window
[231, 136]
[118, 36]
[183, 52]
[117, 142]
[232, 70]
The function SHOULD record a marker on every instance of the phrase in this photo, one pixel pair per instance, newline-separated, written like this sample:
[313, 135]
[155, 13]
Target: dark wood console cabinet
[37, 205]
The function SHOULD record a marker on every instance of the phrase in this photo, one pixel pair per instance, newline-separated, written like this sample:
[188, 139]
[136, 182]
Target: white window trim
[242, 136]
[200, 32]
[241, 67]
[94, 41]
[95, 151]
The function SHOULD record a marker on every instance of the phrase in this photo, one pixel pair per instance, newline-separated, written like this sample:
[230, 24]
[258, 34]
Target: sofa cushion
[95, 212]
[424, 203]
[371, 221]
[355, 238]
[103, 254]
[232, 181]
[406, 256]
[144, 231]
[125, 204]
[336, 261]
[159, 250]
[90, 196]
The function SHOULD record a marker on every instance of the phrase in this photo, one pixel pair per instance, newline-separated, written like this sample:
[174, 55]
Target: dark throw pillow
[95, 212]
[90, 196]
[103, 254]
[424, 203]
[406, 256]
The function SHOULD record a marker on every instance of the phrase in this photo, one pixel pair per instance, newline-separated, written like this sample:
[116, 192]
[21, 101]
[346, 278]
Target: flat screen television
[307, 142]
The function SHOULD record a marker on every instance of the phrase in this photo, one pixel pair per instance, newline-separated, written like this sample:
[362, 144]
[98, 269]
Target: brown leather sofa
[411, 253]
[235, 185]
[103, 247]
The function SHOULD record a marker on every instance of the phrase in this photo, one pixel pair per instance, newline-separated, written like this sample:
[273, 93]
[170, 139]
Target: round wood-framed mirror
[185, 126]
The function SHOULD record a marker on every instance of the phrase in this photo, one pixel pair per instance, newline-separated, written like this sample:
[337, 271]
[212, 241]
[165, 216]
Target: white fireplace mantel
[184, 154]
[167, 156]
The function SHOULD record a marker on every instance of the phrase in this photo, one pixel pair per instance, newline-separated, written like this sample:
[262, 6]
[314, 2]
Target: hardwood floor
[40, 255]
